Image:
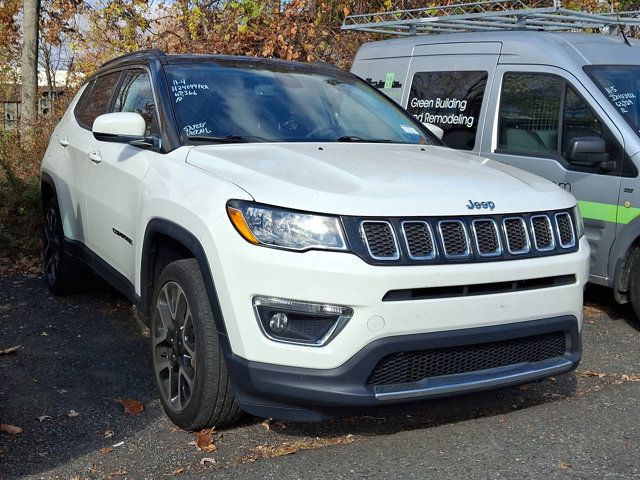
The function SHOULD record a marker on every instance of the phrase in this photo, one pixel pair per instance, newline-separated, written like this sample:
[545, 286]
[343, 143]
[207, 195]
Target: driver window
[136, 95]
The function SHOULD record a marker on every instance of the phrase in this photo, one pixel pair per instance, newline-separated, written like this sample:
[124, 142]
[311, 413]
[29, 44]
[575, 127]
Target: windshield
[283, 103]
[621, 85]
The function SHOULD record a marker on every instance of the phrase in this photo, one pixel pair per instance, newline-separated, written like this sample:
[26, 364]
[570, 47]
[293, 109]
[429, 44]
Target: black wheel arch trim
[47, 179]
[186, 238]
[619, 265]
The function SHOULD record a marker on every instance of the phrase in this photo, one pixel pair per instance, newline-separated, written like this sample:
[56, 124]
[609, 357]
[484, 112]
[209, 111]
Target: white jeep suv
[301, 245]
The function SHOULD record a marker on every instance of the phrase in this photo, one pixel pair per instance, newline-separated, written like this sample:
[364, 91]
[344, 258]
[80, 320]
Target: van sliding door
[446, 88]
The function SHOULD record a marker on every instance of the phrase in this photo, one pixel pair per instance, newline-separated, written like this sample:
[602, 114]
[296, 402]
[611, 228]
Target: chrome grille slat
[454, 238]
[517, 236]
[543, 238]
[564, 229]
[380, 239]
[419, 240]
[487, 238]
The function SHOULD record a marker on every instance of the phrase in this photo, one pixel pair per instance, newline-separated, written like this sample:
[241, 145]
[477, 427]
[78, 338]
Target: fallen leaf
[43, 454]
[43, 417]
[564, 466]
[108, 434]
[131, 407]
[106, 450]
[267, 424]
[10, 429]
[119, 472]
[177, 471]
[204, 441]
[6, 351]
[588, 373]
[205, 460]
[72, 413]
[44, 334]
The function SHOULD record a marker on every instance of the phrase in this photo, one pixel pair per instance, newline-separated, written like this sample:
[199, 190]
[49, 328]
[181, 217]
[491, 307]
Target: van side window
[530, 113]
[98, 101]
[136, 95]
[540, 114]
[451, 101]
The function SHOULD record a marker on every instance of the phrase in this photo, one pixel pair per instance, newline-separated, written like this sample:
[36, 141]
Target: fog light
[278, 322]
[304, 323]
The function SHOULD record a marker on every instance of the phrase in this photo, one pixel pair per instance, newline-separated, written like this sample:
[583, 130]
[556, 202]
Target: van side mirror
[123, 127]
[590, 150]
[436, 130]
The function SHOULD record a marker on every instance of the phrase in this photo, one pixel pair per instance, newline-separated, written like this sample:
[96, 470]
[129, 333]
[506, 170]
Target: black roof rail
[151, 53]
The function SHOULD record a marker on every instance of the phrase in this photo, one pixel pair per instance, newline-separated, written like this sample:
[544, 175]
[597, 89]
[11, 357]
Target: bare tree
[29, 64]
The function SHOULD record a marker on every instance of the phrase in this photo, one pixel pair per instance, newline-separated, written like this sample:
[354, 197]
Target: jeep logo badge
[480, 205]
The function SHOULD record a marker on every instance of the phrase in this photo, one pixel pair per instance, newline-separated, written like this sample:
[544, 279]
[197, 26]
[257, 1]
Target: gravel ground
[80, 353]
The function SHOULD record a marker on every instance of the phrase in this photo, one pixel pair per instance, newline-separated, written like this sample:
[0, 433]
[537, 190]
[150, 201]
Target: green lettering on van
[388, 82]
[608, 212]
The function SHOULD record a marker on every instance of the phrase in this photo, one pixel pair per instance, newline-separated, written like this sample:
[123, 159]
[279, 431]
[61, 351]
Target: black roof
[157, 55]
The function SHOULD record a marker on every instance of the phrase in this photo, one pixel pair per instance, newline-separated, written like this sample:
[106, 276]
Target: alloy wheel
[174, 347]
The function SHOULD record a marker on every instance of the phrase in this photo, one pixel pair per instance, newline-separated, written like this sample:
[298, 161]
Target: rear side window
[541, 113]
[98, 99]
[451, 101]
[136, 95]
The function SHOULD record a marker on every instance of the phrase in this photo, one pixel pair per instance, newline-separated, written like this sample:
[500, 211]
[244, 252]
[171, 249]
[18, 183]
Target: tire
[634, 281]
[60, 272]
[193, 395]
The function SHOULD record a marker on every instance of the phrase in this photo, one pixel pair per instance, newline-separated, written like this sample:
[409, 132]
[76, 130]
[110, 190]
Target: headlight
[278, 227]
[579, 222]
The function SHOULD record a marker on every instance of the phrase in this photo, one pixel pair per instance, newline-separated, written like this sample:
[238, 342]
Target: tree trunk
[29, 64]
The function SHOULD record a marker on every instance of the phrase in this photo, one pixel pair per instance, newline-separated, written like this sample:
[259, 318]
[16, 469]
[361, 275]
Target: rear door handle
[95, 157]
[64, 142]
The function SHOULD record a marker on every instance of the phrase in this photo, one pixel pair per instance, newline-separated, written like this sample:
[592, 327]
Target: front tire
[189, 367]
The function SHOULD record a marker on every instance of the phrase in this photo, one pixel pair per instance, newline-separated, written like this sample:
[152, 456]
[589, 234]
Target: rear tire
[189, 367]
[59, 269]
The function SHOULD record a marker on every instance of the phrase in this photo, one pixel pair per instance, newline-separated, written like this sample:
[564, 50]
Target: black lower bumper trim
[292, 393]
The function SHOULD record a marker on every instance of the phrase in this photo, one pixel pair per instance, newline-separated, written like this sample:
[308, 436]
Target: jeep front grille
[462, 239]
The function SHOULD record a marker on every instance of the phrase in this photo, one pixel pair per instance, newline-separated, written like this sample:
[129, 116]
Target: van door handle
[64, 142]
[95, 157]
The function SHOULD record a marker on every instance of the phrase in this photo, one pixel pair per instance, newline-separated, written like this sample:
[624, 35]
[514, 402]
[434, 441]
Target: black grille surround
[417, 365]
[421, 240]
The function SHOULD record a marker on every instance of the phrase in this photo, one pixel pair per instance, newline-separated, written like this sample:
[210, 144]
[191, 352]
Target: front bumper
[306, 394]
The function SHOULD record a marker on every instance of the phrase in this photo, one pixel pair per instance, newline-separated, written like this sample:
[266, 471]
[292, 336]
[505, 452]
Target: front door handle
[64, 142]
[95, 157]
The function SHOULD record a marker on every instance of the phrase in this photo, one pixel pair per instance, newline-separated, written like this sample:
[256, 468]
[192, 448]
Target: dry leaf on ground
[267, 424]
[108, 434]
[72, 413]
[119, 472]
[204, 441]
[10, 429]
[43, 417]
[6, 351]
[589, 373]
[131, 407]
[205, 460]
[177, 471]
[106, 450]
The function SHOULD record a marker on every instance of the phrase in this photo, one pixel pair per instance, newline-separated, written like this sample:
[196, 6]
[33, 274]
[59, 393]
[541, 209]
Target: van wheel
[634, 282]
[58, 266]
[189, 367]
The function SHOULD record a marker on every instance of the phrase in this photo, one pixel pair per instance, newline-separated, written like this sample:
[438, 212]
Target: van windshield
[229, 102]
[621, 85]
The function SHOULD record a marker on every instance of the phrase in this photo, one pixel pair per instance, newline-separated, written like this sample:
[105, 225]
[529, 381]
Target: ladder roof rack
[489, 15]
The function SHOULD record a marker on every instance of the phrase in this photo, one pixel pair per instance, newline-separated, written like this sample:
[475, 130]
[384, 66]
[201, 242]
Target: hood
[377, 179]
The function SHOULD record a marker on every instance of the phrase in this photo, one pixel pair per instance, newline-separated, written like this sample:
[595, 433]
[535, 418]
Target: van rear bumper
[304, 394]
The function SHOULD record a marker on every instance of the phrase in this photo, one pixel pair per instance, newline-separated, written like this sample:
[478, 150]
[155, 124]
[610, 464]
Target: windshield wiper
[225, 139]
[353, 138]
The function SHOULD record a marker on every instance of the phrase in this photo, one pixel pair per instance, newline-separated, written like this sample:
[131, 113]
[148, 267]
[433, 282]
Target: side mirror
[436, 130]
[123, 127]
[590, 150]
